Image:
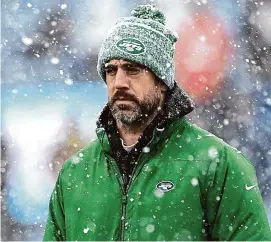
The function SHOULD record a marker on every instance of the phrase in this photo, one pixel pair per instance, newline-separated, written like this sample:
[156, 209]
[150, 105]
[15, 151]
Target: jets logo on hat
[131, 46]
[165, 186]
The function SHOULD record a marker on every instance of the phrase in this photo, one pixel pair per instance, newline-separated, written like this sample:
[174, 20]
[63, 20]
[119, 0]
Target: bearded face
[129, 110]
[134, 93]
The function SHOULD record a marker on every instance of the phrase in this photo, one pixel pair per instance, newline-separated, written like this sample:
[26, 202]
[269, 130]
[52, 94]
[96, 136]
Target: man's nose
[121, 79]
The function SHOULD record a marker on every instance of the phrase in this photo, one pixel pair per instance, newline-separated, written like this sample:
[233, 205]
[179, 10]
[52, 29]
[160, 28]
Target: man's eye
[132, 70]
[110, 71]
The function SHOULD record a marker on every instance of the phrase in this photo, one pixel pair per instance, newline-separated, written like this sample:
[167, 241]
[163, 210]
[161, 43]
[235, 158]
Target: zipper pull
[125, 180]
[124, 199]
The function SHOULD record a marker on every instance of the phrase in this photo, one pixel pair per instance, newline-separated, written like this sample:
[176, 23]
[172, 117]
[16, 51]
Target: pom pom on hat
[149, 12]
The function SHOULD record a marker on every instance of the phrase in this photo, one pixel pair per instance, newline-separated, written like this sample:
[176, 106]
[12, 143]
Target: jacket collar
[177, 105]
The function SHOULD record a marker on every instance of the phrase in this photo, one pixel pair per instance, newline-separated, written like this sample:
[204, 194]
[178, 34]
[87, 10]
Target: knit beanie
[141, 38]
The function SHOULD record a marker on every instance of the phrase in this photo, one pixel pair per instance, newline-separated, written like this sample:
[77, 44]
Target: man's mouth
[124, 101]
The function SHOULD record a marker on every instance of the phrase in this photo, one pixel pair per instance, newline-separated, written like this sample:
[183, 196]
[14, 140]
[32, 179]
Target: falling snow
[27, 41]
[212, 152]
[158, 193]
[54, 60]
[194, 182]
[146, 149]
[69, 81]
[52, 95]
[63, 6]
[150, 228]
[81, 154]
[75, 160]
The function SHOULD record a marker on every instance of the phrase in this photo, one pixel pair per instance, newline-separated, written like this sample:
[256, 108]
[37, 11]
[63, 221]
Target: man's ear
[163, 86]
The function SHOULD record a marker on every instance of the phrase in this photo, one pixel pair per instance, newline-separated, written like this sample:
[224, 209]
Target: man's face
[133, 92]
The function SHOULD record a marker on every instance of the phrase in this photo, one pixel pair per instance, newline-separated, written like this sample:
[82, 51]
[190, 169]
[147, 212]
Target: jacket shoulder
[204, 145]
[220, 157]
[199, 136]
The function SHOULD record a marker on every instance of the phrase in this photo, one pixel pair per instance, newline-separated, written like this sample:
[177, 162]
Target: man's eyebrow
[130, 65]
[107, 65]
[133, 65]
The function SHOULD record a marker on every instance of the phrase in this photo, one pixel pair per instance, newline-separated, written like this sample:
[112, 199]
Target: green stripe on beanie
[142, 38]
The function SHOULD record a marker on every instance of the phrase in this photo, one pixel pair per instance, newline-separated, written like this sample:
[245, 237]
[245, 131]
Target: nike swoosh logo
[249, 187]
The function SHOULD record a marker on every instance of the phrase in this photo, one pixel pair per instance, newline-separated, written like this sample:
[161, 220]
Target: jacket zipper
[123, 214]
[124, 204]
[124, 197]
[125, 192]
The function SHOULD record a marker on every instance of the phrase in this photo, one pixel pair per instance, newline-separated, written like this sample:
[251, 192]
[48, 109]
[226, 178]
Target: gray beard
[137, 113]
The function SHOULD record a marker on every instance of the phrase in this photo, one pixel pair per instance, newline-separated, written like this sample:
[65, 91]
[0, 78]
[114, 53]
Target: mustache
[120, 95]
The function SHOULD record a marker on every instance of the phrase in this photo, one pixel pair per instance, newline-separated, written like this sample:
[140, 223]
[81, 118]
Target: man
[152, 175]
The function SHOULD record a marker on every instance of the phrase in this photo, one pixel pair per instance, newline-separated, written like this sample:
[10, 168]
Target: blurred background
[51, 93]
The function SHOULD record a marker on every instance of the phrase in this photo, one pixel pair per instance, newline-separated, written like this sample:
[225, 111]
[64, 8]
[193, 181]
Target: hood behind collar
[177, 105]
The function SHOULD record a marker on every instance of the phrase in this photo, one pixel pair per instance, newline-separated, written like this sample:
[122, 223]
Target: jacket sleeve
[235, 209]
[55, 227]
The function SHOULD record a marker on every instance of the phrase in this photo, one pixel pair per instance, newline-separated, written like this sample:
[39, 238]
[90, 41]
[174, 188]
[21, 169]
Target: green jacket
[187, 185]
